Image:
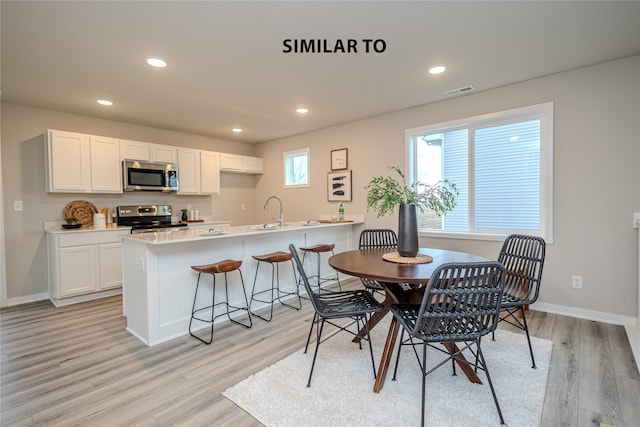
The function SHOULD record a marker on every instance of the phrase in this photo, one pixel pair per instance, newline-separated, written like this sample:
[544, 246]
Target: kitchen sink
[270, 226]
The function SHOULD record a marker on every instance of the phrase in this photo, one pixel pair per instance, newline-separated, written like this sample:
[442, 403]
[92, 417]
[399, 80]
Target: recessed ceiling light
[154, 61]
[438, 69]
[236, 130]
[104, 102]
[302, 110]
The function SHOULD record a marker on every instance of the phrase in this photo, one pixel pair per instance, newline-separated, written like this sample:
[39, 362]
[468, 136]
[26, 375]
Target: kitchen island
[159, 284]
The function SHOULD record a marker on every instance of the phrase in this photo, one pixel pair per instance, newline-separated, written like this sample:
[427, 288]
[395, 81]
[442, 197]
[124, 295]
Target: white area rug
[341, 391]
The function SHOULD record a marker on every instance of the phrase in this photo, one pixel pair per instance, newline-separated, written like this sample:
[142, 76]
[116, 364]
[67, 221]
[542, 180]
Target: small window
[296, 168]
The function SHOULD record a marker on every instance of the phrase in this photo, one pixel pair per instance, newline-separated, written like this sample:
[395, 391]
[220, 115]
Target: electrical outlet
[576, 282]
[17, 205]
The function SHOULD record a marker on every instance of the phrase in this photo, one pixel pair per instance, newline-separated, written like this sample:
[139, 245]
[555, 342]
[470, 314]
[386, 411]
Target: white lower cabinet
[77, 270]
[84, 265]
[110, 266]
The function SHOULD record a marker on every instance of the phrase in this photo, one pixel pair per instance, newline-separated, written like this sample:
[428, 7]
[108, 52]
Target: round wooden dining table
[403, 284]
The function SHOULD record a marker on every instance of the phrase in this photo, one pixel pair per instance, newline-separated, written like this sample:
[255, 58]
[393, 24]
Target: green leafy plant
[386, 192]
[71, 219]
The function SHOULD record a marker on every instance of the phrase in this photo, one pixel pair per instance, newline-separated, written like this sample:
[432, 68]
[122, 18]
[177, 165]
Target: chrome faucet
[266, 207]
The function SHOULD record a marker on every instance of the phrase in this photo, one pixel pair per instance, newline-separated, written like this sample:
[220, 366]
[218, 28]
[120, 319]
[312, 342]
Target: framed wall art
[339, 186]
[339, 159]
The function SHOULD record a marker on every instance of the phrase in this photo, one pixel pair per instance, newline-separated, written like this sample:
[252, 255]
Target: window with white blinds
[501, 164]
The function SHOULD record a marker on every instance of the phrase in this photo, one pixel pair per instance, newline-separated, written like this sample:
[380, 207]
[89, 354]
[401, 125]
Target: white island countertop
[180, 236]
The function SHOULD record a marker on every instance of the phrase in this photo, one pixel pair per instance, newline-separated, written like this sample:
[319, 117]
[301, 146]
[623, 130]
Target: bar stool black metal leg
[319, 279]
[254, 294]
[228, 306]
[195, 310]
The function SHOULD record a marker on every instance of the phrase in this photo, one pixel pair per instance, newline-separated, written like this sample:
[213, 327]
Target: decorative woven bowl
[82, 210]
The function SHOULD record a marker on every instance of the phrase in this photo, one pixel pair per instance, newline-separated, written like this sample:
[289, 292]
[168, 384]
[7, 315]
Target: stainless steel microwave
[149, 176]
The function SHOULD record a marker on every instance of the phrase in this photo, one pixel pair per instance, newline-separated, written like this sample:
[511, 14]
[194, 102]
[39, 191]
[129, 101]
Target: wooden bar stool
[225, 267]
[274, 259]
[319, 250]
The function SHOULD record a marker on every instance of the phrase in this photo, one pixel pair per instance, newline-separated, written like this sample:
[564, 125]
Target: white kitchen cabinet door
[163, 153]
[189, 171]
[110, 262]
[236, 163]
[209, 172]
[134, 150]
[68, 162]
[77, 270]
[253, 164]
[106, 170]
[231, 162]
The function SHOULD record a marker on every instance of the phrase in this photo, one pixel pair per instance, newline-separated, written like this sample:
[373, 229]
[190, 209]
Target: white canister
[99, 220]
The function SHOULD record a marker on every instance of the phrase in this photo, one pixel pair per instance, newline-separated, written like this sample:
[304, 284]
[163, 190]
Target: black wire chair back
[376, 238]
[523, 258]
[461, 302]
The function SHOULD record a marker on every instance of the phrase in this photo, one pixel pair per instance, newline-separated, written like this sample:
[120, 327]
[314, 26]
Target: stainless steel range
[143, 218]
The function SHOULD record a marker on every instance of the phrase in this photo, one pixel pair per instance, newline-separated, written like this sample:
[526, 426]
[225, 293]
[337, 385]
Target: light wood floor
[76, 365]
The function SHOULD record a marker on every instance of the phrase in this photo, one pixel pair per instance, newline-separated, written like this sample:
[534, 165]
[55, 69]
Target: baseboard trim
[27, 299]
[597, 316]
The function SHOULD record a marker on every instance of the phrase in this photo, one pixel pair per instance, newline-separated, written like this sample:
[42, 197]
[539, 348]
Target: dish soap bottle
[340, 212]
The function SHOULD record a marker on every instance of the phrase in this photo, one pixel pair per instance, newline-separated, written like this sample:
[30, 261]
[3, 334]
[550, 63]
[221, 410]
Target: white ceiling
[227, 67]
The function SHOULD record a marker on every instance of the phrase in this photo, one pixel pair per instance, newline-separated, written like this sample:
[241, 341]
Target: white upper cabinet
[236, 163]
[163, 153]
[80, 163]
[253, 165]
[68, 162]
[231, 162]
[137, 150]
[209, 172]
[189, 171]
[134, 150]
[198, 171]
[106, 175]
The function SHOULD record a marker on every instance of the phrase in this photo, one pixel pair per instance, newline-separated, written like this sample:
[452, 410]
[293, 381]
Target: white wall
[23, 178]
[596, 177]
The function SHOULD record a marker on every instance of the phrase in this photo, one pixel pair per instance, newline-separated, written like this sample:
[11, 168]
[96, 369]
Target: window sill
[462, 235]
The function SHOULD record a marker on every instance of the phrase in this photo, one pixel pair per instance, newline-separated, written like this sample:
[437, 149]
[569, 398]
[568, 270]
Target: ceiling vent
[460, 90]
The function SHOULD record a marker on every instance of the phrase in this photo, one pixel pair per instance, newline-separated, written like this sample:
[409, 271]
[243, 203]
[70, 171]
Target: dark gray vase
[408, 244]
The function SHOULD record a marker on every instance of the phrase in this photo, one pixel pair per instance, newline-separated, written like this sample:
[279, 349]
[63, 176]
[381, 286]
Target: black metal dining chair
[330, 306]
[376, 238]
[461, 304]
[523, 258]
